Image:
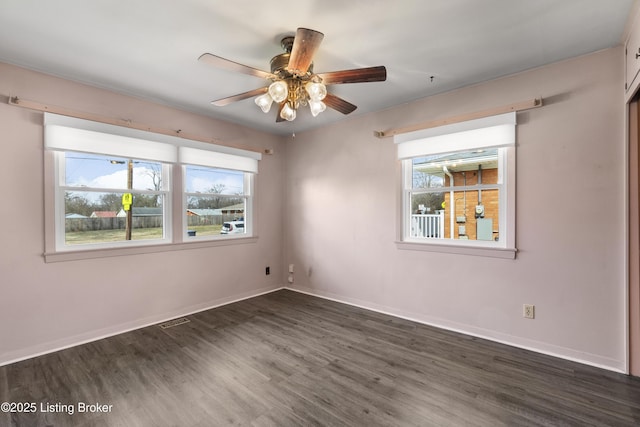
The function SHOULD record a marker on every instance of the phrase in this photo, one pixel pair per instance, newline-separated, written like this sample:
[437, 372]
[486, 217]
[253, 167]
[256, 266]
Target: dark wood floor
[287, 359]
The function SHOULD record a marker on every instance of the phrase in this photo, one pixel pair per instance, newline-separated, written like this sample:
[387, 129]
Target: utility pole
[127, 198]
[129, 224]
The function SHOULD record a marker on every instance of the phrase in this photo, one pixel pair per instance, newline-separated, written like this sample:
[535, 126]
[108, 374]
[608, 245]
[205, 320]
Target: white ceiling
[149, 48]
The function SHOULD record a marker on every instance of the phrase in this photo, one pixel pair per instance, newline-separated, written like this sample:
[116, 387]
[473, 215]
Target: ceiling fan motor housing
[280, 62]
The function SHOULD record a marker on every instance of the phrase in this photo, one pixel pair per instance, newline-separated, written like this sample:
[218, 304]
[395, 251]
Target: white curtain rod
[519, 106]
[37, 106]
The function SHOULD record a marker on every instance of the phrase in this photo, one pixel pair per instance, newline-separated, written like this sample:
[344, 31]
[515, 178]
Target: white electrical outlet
[529, 311]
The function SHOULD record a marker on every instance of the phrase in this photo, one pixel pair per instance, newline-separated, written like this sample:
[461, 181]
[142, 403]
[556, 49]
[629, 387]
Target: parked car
[231, 227]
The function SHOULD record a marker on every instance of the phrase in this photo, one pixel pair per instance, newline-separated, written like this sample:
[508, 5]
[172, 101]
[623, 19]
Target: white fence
[429, 226]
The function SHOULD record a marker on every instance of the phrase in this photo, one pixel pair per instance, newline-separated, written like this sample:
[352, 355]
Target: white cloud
[142, 179]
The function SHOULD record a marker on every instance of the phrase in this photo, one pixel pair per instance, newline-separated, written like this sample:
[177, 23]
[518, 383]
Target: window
[218, 200]
[115, 187]
[91, 194]
[458, 187]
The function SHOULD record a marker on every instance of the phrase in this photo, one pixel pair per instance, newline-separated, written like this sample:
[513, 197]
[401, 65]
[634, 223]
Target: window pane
[94, 217]
[427, 203]
[427, 217]
[426, 176]
[201, 179]
[466, 168]
[98, 171]
[207, 215]
[216, 201]
[473, 218]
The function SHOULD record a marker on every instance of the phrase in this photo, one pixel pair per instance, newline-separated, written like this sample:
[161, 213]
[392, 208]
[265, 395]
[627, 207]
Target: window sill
[143, 249]
[484, 251]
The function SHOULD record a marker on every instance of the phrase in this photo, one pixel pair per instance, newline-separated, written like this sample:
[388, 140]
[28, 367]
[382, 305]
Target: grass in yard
[106, 236]
[206, 230]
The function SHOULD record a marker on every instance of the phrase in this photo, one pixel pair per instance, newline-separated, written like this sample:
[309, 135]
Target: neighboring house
[467, 223]
[214, 216]
[141, 212]
[203, 212]
[449, 185]
[103, 214]
[231, 210]
[74, 216]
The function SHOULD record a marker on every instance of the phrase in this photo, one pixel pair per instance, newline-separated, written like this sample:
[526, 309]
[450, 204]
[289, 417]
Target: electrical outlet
[529, 311]
[267, 271]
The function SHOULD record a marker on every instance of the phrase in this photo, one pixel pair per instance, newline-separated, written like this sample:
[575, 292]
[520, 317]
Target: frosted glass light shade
[264, 102]
[316, 91]
[288, 113]
[317, 107]
[278, 91]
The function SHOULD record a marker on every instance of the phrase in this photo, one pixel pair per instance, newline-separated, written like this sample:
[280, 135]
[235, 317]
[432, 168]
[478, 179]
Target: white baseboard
[585, 358]
[61, 344]
[539, 347]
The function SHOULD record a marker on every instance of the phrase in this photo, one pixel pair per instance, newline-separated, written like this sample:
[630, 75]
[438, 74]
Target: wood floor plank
[289, 359]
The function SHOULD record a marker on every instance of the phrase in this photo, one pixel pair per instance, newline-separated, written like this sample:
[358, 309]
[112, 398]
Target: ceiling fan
[293, 82]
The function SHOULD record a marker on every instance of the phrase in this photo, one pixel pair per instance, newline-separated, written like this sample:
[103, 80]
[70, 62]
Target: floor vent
[174, 322]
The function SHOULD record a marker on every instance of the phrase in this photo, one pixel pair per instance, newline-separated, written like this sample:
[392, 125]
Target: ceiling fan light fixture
[264, 102]
[317, 107]
[278, 91]
[288, 113]
[293, 81]
[316, 91]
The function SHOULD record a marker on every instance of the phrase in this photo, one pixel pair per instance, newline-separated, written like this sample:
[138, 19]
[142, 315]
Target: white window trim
[60, 190]
[139, 144]
[144, 249]
[457, 137]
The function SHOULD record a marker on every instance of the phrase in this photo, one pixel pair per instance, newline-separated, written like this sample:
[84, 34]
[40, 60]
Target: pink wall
[342, 210]
[48, 306]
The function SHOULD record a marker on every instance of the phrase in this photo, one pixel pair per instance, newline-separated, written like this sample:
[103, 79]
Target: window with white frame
[458, 185]
[218, 199]
[90, 198]
[117, 187]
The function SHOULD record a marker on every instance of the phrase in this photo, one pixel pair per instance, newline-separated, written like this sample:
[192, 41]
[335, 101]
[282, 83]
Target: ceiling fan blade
[338, 104]
[305, 44]
[228, 65]
[239, 97]
[358, 75]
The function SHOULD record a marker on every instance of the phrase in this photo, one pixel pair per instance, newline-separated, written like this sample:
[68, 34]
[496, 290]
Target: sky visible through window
[109, 172]
[201, 179]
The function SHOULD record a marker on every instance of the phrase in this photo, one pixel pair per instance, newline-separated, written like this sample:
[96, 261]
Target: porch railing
[429, 226]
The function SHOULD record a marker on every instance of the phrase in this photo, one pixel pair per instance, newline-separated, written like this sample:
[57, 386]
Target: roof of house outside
[103, 214]
[141, 211]
[237, 207]
[204, 212]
